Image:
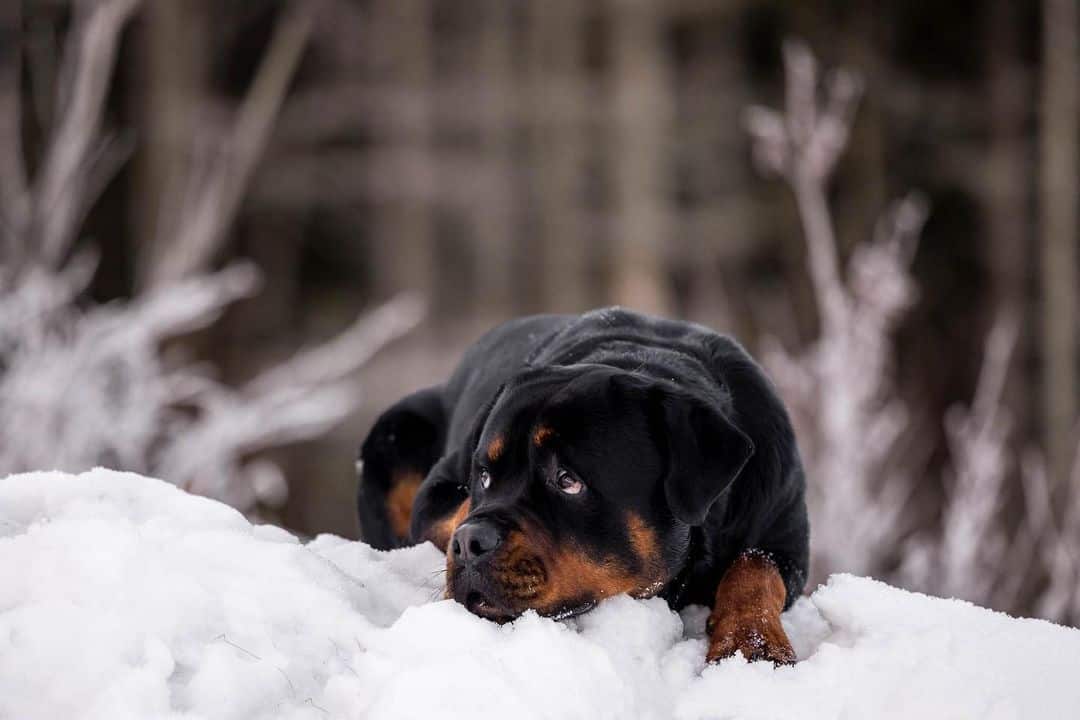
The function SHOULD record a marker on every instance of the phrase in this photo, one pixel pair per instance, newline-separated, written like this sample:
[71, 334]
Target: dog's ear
[706, 451]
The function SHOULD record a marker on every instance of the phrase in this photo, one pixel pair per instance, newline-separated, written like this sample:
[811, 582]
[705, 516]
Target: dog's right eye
[484, 478]
[566, 483]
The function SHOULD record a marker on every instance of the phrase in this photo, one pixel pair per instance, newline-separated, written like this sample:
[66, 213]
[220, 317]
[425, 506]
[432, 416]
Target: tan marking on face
[519, 571]
[446, 531]
[399, 501]
[495, 448]
[441, 532]
[574, 577]
[646, 547]
[541, 435]
[535, 573]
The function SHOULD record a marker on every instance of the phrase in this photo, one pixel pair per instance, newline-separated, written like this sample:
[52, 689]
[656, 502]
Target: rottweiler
[571, 458]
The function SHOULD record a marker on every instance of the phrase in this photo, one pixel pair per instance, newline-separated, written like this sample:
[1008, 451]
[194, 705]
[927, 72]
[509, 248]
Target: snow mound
[123, 597]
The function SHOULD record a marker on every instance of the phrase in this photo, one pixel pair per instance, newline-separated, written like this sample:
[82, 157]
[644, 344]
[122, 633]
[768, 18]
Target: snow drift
[123, 597]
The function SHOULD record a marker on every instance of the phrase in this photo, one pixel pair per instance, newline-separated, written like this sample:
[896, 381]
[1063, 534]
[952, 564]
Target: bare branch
[349, 350]
[805, 142]
[195, 303]
[803, 146]
[85, 384]
[14, 194]
[43, 58]
[59, 195]
[1056, 540]
[202, 224]
[800, 85]
[967, 561]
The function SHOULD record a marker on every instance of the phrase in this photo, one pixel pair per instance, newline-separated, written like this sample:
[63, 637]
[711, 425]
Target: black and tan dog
[573, 458]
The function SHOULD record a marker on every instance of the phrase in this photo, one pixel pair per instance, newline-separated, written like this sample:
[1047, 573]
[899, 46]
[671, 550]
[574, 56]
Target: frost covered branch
[968, 560]
[802, 145]
[842, 383]
[90, 388]
[81, 389]
[850, 419]
[1056, 534]
[84, 384]
[76, 143]
[297, 400]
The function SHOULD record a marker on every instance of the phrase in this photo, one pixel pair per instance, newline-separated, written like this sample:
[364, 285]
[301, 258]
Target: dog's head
[584, 483]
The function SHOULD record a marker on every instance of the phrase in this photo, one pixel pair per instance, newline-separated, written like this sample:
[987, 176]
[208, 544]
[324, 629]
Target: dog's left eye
[565, 482]
[484, 477]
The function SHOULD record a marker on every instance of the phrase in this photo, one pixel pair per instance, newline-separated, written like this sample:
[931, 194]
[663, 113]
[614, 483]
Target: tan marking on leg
[399, 501]
[746, 614]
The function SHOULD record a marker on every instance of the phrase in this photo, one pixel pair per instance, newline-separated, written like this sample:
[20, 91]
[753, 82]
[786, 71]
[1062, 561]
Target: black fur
[408, 437]
[666, 419]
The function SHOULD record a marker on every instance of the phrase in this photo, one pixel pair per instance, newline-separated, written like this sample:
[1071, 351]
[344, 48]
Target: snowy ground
[122, 597]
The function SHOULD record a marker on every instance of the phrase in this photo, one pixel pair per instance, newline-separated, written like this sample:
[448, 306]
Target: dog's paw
[756, 638]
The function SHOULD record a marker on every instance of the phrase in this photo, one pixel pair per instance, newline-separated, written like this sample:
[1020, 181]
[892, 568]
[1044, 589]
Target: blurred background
[206, 205]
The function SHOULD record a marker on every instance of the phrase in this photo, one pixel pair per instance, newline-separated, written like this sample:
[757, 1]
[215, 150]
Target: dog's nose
[475, 540]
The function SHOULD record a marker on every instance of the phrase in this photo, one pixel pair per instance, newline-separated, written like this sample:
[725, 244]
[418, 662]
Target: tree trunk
[1004, 193]
[14, 202]
[1058, 226]
[714, 222]
[641, 120]
[402, 224]
[495, 289]
[172, 77]
[559, 104]
[863, 165]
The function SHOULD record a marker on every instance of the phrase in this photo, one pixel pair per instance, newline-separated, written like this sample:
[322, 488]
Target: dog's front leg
[746, 612]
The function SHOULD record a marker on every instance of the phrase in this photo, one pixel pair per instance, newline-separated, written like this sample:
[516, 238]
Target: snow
[124, 597]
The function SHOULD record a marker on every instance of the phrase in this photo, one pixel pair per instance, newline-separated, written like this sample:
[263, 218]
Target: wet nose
[474, 541]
